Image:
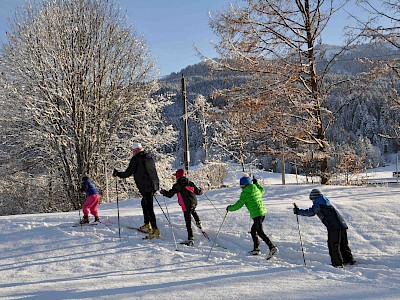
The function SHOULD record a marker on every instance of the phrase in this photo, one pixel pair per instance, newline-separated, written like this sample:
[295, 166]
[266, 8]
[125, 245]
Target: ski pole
[161, 209]
[215, 240]
[218, 210]
[80, 217]
[213, 205]
[301, 241]
[119, 226]
[173, 233]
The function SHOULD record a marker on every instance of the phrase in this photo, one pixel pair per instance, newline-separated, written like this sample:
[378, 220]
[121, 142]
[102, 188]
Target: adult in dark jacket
[338, 245]
[143, 169]
[186, 191]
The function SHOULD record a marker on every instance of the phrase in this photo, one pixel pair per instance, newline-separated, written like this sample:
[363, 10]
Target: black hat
[314, 194]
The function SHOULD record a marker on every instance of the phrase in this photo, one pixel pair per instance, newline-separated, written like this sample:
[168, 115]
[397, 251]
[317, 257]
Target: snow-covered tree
[76, 87]
[389, 34]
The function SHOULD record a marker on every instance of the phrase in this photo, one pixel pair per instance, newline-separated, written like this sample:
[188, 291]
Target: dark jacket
[186, 192]
[143, 169]
[329, 216]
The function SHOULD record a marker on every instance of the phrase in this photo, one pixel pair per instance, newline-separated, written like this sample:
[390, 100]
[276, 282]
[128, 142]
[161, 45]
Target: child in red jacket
[187, 199]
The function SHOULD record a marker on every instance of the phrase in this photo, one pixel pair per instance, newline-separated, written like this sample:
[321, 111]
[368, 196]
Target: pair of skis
[147, 237]
[86, 224]
[271, 253]
[187, 243]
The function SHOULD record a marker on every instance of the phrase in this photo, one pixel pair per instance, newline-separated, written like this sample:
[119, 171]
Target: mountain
[366, 118]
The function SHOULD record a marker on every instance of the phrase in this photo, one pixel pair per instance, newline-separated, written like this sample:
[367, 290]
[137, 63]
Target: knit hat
[245, 181]
[137, 146]
[314, 194]
[179, 173]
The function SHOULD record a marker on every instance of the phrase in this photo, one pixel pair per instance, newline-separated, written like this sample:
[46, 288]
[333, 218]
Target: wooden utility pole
[283, 165]
[185, 125]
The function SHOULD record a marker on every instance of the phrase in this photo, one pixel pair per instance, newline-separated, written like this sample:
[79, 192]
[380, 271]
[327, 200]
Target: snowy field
[43, 257]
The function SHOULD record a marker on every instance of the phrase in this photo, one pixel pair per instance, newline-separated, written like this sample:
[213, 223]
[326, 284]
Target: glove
[115, 173]
[254, 180]
[227, 208]
[162, 191]
[296, 210]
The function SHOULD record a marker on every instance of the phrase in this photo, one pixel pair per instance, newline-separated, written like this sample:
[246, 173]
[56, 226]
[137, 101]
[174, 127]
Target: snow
[43, 257]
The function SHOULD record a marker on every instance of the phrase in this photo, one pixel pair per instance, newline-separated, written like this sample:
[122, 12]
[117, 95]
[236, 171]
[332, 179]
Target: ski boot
[146, 228]
[154, 234]
[255, 252]
[198, 224]
[85, 220]
[189, 242]
[273, 251]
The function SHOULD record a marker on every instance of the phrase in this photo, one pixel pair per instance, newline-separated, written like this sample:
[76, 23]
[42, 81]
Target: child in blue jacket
[338, 245]
[92, 200]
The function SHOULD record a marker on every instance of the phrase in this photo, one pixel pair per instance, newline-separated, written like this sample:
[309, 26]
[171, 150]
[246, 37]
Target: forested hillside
[363, 116]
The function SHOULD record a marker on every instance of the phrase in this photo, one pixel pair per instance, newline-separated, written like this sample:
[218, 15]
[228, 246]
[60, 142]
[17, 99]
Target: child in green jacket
[251, 196]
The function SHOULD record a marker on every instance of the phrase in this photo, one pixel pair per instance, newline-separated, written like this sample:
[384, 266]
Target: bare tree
[77, 83]
[277, 43]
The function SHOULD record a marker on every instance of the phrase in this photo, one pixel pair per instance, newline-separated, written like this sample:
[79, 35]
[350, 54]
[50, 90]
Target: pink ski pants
[91, 204]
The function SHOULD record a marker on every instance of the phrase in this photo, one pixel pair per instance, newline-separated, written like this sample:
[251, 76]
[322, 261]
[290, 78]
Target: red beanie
[179, 173]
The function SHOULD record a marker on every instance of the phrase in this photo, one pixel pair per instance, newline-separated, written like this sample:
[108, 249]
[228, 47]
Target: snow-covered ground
[43, 257]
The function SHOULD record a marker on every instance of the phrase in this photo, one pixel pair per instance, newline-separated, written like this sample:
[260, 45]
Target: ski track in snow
[43, 257]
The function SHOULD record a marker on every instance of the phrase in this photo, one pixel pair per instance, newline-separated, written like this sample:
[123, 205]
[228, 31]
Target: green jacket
[251, 196]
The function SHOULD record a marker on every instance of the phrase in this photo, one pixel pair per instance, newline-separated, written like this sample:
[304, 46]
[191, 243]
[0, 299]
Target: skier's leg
[334, 247]
[94, 207]
[258, 221]
[254, 236]
[345, 249]
[86, 205]
[195, 215]
[146, 219]
[150, 209]
[187, 216]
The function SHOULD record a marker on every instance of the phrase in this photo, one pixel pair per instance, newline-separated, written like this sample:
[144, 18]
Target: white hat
[137, 146]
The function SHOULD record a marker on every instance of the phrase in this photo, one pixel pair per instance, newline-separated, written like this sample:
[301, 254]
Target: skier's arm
[238, 204]
[312, 211]
[129, 171]
[197, 190]
[260, 188]
[174, 190]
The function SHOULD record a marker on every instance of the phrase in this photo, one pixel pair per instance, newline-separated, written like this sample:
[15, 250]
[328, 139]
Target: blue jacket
[89, 187]
[329, 216]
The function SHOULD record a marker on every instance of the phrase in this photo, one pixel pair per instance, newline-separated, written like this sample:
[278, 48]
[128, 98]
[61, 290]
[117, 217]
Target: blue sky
[172, 27]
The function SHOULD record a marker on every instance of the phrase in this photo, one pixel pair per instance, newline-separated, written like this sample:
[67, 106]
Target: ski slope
[43, 257]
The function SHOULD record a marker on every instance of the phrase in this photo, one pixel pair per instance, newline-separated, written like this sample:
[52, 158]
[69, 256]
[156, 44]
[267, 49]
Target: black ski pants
[148, 209]
[258, 231]
[338, 246]
[188, 220]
